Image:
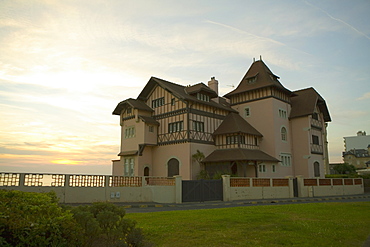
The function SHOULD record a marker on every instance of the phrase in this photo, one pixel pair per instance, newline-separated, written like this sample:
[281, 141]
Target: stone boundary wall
[313, 187]
[257, 188]
[92, 188]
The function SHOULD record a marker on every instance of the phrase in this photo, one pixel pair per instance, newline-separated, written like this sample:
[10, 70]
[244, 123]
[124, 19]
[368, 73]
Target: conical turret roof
[258, 76]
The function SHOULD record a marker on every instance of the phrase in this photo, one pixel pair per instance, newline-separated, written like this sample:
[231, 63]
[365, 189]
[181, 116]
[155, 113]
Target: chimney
[213, 84]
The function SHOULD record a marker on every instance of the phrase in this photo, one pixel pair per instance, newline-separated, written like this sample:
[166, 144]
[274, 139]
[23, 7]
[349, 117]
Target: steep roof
[180, 92]
[304, 103]
[359, 153]
[238, 154]
[201, 87]
[136, 104]
[234, 123]
[258, 76]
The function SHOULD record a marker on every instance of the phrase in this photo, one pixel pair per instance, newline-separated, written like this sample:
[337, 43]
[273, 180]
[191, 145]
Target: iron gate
[202, 190]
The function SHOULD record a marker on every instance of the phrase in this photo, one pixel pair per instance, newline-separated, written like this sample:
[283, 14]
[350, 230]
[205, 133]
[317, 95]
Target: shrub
[35, 219]
[104, 224]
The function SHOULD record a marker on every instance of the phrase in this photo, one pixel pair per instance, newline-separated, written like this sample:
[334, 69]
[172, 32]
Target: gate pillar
[178, 189]
[226, 188]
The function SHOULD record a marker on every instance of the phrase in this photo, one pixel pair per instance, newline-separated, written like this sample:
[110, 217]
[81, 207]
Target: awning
[238, 154]
[128, 153]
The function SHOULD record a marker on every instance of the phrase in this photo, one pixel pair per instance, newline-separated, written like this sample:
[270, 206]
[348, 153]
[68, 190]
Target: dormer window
[129, 110]
[203, 97]
[251, 79]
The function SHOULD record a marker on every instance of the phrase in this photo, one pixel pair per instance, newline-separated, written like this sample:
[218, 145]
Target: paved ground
[157, 207]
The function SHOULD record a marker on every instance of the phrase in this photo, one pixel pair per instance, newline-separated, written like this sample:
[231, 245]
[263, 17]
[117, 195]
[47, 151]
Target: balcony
[317, 149]
[315, 123]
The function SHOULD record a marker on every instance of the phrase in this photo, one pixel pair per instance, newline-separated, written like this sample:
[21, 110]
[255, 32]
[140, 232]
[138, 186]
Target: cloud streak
[338, 20]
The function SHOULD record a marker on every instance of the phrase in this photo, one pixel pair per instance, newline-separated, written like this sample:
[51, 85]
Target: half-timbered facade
[260, 129]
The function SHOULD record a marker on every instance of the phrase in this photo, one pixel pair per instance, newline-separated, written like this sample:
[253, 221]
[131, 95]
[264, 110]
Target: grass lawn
[314, 224]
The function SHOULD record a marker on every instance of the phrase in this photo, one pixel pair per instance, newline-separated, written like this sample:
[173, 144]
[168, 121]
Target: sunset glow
[65, 65]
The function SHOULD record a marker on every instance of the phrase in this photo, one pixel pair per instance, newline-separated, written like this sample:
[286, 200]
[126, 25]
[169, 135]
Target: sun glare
[66, 162]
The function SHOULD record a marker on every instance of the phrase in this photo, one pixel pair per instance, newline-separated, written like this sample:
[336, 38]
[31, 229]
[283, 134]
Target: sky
[65, 65]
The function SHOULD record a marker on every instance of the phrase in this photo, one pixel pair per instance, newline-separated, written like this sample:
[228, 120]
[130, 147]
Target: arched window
[283, 134]
[316, 169]
[173, 167]
[146, 171]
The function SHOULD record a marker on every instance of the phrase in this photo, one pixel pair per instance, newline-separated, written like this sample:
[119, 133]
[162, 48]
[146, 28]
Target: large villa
[260, 129]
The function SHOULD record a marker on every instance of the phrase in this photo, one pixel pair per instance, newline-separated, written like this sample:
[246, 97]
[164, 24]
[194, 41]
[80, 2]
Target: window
[235, 139]
[315, 116]
[262, 168]
[316, 168]
[282, 113]
[247, 112]
[151, 128]
[252, 79]
[283, 134]
[173, 101]
[256, 141]
[130, 132]
[202, 97]
[129, 167]
[157, 102]
[285, 159]
[273, 168]
[315, 140]
[175, 127]
[198, 126]
[129, 110]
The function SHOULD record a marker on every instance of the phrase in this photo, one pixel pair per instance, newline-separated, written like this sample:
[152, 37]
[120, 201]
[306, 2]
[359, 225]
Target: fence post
[22, 180]
[291, 186]
[178, 189]
[301, 188]
[226, 188]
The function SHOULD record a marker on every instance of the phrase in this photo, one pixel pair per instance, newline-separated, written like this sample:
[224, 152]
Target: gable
[304, 103]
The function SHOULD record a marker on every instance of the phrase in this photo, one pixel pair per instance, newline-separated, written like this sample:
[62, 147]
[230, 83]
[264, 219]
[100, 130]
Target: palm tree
[198, 157]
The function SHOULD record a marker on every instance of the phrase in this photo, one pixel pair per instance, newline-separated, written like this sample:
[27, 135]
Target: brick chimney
[213, 84]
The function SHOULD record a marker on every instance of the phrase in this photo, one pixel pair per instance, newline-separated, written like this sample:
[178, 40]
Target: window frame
[247, 111]
[198, 126]
[158, 102]
[284, 135]
[175, 127]
[129, 132]
[129, 167]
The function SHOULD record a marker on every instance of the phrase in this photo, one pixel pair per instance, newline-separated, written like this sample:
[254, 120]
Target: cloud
[365, 96]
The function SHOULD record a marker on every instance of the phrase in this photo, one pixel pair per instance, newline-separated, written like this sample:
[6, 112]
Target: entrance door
[173, 167]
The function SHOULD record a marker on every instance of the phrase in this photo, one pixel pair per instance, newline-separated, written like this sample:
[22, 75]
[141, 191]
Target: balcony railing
[316, 123]
[317, 149]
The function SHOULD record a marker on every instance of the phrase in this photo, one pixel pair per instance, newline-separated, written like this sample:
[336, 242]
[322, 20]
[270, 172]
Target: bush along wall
[36, 219]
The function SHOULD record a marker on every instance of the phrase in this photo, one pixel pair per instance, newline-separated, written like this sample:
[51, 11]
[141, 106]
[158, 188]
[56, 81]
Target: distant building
[357, 150]
[359, 158]
[260, 129]
[360, 141]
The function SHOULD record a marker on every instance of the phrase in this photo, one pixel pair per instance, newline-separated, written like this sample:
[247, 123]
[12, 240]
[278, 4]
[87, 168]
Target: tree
[198, 157]
[344, 168]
